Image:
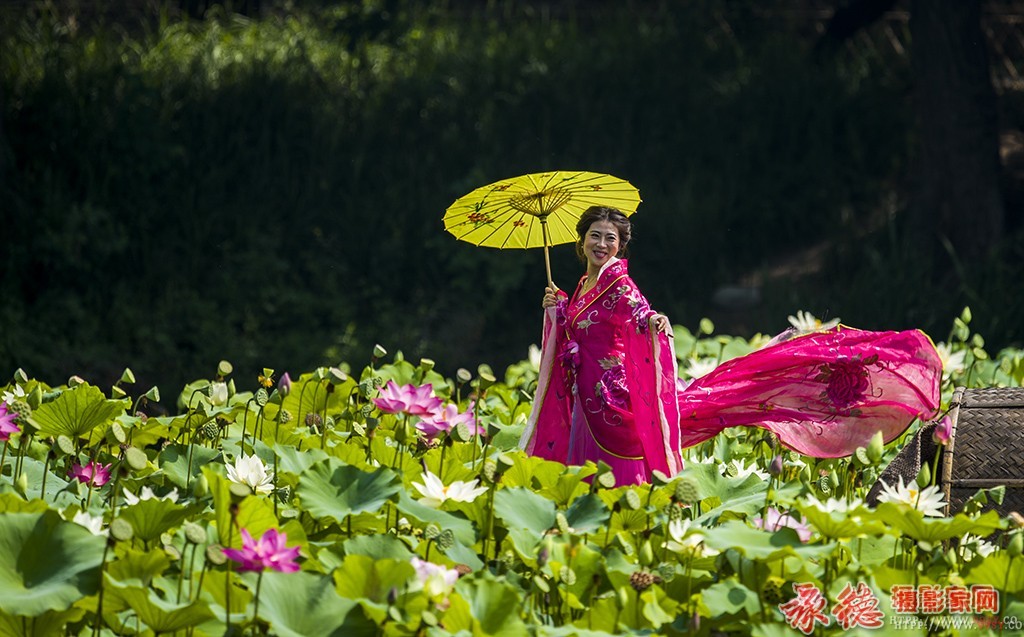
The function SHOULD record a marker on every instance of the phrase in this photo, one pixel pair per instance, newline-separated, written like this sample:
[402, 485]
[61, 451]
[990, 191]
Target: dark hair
[614, 216]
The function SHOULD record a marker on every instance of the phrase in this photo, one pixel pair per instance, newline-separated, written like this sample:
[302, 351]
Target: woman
[608, 390]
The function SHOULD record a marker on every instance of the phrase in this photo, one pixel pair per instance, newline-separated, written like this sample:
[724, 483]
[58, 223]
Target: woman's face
[600, 243]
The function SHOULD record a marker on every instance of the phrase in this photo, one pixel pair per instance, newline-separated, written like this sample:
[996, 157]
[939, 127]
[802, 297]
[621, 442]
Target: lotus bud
[646, 553]
[876, 448]
[35, 397]
[202, 487]
[284, 385]
[775, 468]
[231, 388]
[21, 485]
[924, 478]
[1016, 545]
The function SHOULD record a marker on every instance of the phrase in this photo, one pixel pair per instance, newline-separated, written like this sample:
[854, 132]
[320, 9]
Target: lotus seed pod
[773, 590]
[153, 394]
[687, 491]
[432, 531]
[632, 500]
[379, 351]
[121, 530]
[75, 381]
[20, 376]
[313, 420]
[285, 416]
[194, 533]
[446, 539]
[426, 364]
[641, 581]
[262, 397]
[567, 575]
[127, 377]
[463, 375]
[209, 430]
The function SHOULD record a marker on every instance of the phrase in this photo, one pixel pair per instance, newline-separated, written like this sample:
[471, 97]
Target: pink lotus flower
[777, 520]
[943, 431]
[7, 425]
[434, 425]
[408, 399]
[93, 473]
[270, 552]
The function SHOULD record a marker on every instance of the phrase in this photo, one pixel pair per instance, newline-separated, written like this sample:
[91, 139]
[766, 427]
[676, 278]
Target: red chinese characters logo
[857, 607]
[804, 611]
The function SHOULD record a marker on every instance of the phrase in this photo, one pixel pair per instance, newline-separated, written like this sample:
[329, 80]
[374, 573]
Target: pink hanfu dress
[608, 388]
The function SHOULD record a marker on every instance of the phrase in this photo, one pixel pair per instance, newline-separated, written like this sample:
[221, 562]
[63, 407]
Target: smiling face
[600, 243]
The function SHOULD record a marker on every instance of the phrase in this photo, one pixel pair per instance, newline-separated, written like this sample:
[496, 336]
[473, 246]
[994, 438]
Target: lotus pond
[385, 499]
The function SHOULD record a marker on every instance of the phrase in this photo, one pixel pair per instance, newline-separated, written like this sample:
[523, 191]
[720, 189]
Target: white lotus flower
[534, 356]
[435, 580]
[974, 545]
[147, 494]
[218, 393]
[696, 367]
[435, 493]
[928, 500]
[833, 505]
[683, 539]
[13, 394]
[250, 471]
[807, 323]
[92, 522]
[952, 362]
[737, 468]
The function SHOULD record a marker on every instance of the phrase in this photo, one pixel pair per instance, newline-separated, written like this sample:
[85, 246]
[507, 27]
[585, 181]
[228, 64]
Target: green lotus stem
[476, 428]
[3, 459]
[99, 601]
[24, 442]
[46, 472]
[256, 603]
[227, 581]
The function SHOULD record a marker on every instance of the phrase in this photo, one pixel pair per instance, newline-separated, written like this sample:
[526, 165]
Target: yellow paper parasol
[536, 210]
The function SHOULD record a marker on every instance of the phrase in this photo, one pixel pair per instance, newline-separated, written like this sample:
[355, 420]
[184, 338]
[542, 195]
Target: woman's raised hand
[550, 297]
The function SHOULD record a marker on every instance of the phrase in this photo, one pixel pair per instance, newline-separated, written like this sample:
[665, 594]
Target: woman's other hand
[550, 297]
[660, 323]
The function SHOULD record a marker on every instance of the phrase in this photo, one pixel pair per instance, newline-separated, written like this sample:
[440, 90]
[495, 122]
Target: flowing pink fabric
[607, 387]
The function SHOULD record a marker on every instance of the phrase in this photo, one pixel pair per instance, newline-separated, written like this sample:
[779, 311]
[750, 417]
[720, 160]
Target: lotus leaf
[329, 489]
[46, 563]
[75, 412]
[307, 605]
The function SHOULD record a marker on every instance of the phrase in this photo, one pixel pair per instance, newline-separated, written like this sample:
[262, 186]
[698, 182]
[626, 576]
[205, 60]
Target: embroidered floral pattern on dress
[612, 387]
[585, 323]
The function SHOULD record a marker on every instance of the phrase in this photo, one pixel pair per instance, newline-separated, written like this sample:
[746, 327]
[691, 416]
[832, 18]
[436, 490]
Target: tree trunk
[955, 193]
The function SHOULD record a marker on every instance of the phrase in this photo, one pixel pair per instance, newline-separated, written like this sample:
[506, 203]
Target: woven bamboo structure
[987, 446]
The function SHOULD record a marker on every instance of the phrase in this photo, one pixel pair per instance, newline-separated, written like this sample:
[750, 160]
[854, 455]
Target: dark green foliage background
[270, 191]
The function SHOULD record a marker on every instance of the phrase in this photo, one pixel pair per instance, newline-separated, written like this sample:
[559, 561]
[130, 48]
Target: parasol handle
[547, 257]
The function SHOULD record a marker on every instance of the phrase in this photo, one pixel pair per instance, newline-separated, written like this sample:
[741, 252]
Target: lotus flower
[7, 425]
[943, 431]
[408, 399]
[435, 493]
[952, 362]
[147, 494]
[774, 520]
[433, 425]
[92, 522]
[928, 500]
[13, 394]
[435, 580]
[683, 539]
[807, 323]
[92, 473]
[250, 471]
[218, 393]
[270, 552]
